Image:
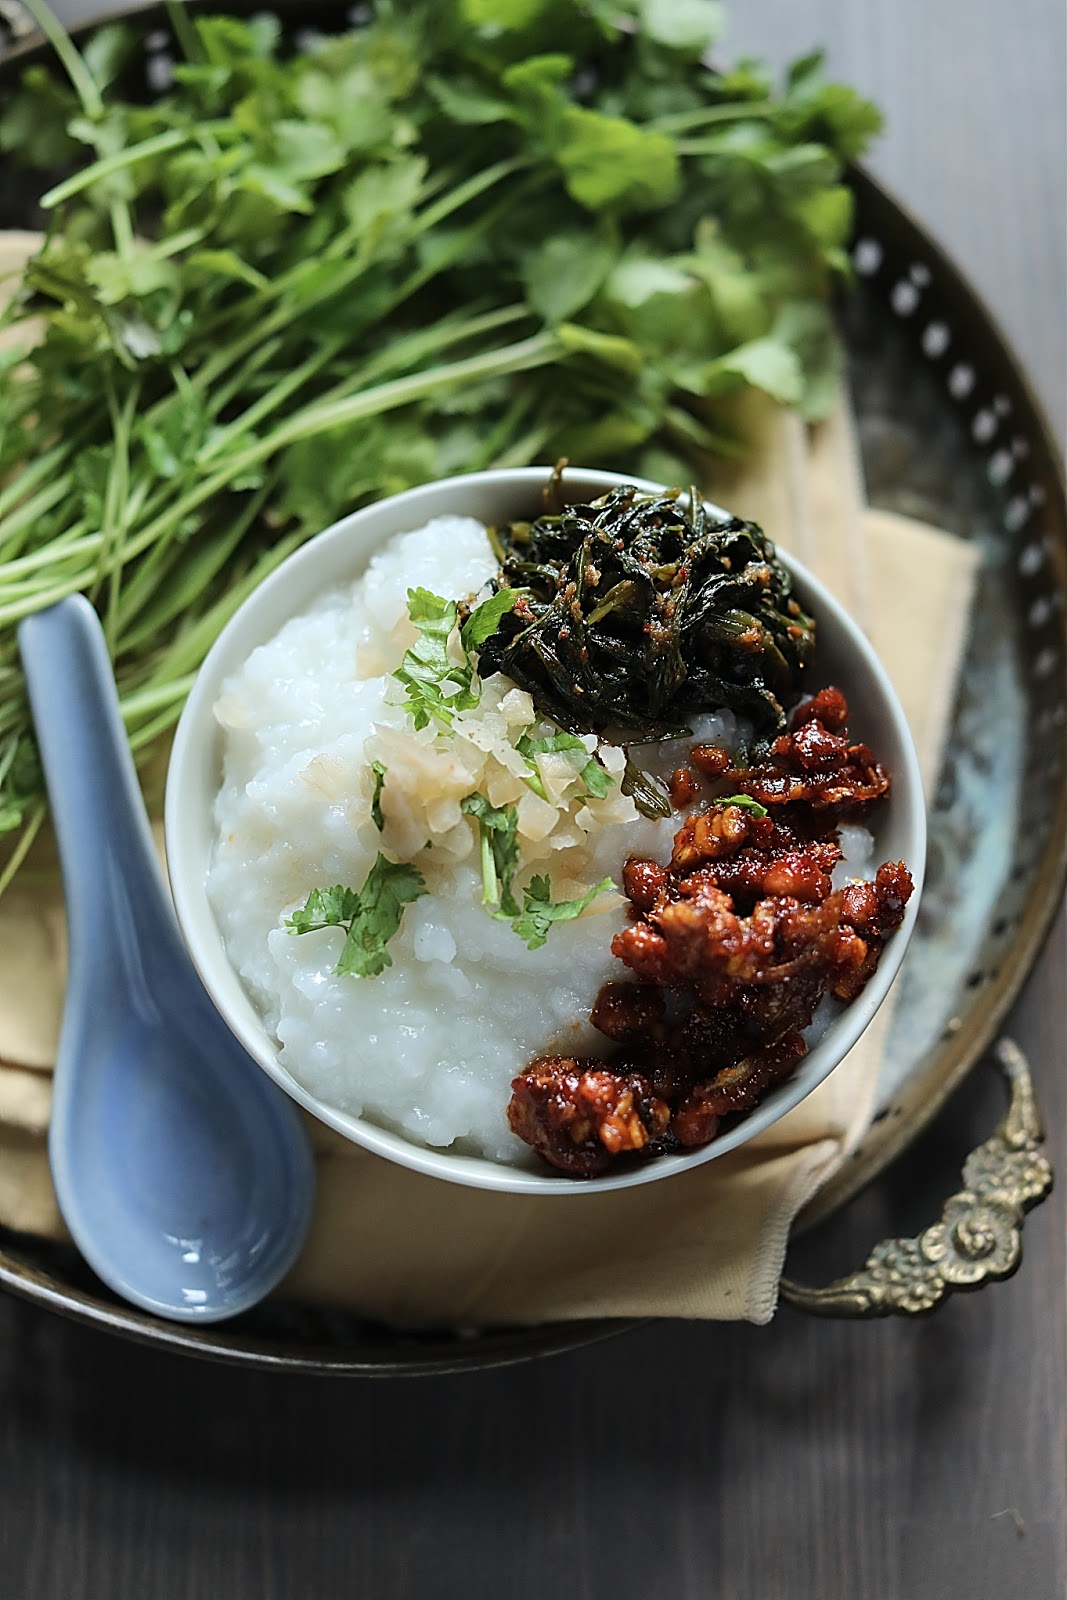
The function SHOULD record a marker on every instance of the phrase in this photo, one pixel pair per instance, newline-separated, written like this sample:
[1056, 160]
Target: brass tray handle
[979, 1236]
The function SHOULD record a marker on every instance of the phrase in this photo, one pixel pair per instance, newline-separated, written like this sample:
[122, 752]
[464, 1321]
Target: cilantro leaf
[498, 830]
[437, 687]
[612, 164]
[426, 670]
[689, 26]
[592, 774]
[485, 619]
[744, 802]
[376, 799]
[371, 916]
[390, 886]
[563, 272]
[540, 911]
[324, 908]
[335, 292]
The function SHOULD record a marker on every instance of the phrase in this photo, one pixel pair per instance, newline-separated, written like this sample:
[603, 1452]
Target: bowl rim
[186, 869]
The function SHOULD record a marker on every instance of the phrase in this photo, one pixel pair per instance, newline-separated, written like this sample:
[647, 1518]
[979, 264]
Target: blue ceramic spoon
[183, 1173]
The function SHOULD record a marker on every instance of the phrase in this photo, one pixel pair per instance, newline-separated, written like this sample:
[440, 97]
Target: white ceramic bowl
[338, 555]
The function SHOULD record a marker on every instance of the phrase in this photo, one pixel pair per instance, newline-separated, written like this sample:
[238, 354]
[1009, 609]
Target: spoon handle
[97, 808]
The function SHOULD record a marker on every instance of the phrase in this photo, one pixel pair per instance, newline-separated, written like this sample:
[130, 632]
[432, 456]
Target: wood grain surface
[890, 1461]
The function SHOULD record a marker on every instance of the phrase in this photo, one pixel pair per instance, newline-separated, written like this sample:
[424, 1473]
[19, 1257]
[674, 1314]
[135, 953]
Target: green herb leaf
[372, 916]
[592, 774]
[390, 886]
[324, 908]
[376, 799]
[498, 830]
[744, 802]
[645, 791]
[539, 911]
[565, 271]
[485, 619]
[691, 26]
[426, 670]
[611, 164]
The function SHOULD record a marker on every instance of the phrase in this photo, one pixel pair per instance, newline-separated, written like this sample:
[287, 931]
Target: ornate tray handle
[979, 1236]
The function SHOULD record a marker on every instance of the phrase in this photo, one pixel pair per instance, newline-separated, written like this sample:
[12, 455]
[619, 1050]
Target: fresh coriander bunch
[467, 234]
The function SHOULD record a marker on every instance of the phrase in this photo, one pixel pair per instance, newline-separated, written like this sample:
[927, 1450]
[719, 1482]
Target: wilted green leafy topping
[371, 915]
[466, 233]
[641, 612]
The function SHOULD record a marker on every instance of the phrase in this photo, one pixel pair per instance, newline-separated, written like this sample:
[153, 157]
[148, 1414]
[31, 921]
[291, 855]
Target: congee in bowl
[524, 828]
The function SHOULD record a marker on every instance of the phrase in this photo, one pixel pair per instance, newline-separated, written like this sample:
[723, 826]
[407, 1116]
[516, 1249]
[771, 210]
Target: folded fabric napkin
[411, 1250]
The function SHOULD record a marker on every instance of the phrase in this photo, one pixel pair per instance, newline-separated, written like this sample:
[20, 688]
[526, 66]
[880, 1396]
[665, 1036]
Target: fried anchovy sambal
[732, 946]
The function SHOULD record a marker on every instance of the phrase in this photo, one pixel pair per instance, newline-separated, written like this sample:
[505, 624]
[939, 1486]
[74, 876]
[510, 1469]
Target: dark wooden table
[890, 1461]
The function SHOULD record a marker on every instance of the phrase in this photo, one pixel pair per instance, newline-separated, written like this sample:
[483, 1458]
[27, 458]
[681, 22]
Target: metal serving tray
[951, 433]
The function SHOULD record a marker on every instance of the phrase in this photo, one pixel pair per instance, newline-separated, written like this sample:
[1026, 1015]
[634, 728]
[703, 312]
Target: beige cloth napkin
[709, 1243]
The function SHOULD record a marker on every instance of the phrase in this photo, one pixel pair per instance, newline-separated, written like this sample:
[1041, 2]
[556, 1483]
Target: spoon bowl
[183, 1174]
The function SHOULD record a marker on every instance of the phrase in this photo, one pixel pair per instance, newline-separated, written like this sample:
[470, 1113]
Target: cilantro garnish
[597, 781]
[371, 916]
[255, 320]
[498, 829]
[485, 619]
[376, 799]
[540, 911]
[436, 686]
[744, 802]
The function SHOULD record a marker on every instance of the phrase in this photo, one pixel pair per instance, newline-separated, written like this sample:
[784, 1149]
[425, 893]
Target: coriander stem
[538, 351]
[121, 226]
[8, 756]
[218, 399]
[52, 554]
[149, 731]
[154, 697]
[15, 610]
[106, 165]
[402, 352]
[141, 596]
[469, 190]
[275, 396]
[116, 505]
[30, 831]
[163, 249]
[183, 30]
[490, 883]
[284, 314]
[28, 476]
[29, 513]
[82, 80]
[703, 116]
